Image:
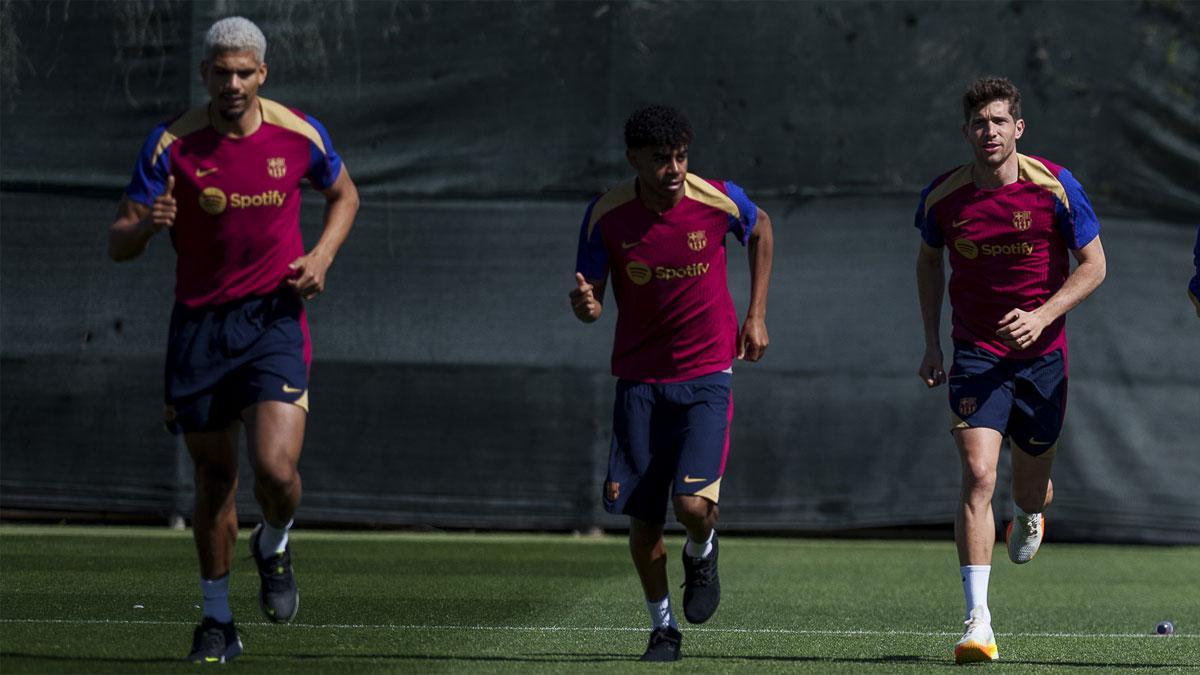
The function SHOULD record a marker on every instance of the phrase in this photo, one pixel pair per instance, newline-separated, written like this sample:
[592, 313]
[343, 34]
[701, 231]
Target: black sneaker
[702, 586]
[277, 595]
[214, 642]
[664, 645]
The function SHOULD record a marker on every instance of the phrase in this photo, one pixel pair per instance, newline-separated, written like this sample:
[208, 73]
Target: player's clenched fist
[931, 371]
[583, 300]
[752, 339]
[308, 272]
[162, 211]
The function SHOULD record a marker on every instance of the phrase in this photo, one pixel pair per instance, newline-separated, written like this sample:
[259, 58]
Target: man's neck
[657, 203]
[992, 177]
[243, 126]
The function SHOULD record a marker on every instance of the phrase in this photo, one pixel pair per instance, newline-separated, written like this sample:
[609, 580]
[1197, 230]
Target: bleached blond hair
[235, 34]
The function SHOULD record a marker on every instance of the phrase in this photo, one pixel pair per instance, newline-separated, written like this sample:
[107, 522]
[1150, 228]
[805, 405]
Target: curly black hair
[657, 125]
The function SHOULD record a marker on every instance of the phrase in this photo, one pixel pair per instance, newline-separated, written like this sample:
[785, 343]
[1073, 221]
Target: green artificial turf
[101, 599]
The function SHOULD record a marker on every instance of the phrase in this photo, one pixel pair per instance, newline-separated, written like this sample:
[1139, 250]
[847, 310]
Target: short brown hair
[988, 89]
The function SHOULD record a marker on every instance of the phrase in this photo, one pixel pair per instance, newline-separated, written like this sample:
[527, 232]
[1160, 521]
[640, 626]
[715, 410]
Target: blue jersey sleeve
[323, 167]
[1077, 223]
[931, 234]
[742, 225]
[591, 259]
[1194, 285]
[150, 173]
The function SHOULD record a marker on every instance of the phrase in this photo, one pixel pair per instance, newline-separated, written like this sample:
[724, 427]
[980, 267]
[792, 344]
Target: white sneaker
[978, 643]
[1024, 536]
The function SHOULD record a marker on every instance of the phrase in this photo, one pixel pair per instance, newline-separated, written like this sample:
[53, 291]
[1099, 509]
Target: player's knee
[644, 536]
[690, 509]
[979, 476]
[278, 479]
[215, 482]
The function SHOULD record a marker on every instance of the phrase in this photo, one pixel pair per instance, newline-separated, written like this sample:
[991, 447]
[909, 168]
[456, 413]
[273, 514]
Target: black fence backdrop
[452, 387]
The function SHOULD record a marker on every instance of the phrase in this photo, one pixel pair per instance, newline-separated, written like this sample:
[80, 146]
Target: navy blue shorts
[222, 359]
[1024, 399]
[667, 439]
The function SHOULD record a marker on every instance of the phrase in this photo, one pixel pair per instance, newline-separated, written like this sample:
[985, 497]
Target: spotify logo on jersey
[639, 273]
[212, 200]
[966, 248]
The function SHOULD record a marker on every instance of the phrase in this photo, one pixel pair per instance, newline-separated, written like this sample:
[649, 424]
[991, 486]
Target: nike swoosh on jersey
[960, 223]
[201, 173]
[627, 246]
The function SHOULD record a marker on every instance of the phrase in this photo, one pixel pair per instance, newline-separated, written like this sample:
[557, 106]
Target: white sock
[216, 598]
[701, 549]
[272, 540]
[661, 614]
[975, 586]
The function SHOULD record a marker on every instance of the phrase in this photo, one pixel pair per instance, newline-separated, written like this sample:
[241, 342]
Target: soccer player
[1012, 223]
[224, 180]
[662, 235]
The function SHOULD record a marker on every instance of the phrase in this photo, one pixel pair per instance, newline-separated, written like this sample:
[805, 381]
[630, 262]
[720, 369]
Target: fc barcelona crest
[277, 167]
[967, 406]
[612, 491]
[1022, 220]
[697, 240]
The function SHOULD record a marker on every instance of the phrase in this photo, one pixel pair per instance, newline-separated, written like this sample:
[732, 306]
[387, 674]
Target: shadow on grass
[899, 659]
[88, 659]
[534, 658]
[1095, 664]
[551, 657]
[937, 661]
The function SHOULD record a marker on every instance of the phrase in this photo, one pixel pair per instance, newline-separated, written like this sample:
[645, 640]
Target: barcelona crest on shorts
[967, 406]
[612, 491]
[697, 240]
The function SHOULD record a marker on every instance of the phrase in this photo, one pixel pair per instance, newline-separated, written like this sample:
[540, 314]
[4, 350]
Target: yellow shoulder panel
[1037, 173]
[279, 115]
[695, 187]
[959, 178]
[190, 122]
[615, 197]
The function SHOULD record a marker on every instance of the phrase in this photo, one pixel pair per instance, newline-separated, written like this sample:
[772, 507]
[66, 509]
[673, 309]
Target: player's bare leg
[276, 435]
[275, 431]
[974, 526]
[1032, 488]
[975, 536]
[1032, 493]
[698, 515]
[214, 528]
[649, 555]
[702, 585]
[214, 520]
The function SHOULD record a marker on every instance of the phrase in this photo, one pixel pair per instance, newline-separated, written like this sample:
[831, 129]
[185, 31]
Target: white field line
[582, 629]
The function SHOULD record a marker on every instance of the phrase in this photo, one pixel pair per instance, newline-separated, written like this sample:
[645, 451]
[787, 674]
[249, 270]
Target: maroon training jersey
[237, 226]
[675, 318]
[1009, 247]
